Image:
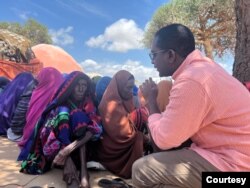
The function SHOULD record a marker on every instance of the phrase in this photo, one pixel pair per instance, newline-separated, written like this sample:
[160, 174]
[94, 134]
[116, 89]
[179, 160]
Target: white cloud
[24, 15]
[121, 36]
[62, 36]
[140, 72]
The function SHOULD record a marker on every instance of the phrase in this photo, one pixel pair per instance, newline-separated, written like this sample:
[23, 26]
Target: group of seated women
[67, 120]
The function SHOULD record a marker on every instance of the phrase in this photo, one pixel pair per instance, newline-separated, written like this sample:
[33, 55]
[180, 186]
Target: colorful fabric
[9, 99]
[59, 125]
[212, 108]
[55, 134]
[139, 118]
[49, 80]
[122, 143]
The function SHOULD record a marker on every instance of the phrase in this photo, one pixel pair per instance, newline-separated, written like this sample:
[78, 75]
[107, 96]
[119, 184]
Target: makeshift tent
[16, 55]
[54, 56]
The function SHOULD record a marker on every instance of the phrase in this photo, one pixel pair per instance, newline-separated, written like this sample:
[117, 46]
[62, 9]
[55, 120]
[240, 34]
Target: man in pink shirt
[206, 105]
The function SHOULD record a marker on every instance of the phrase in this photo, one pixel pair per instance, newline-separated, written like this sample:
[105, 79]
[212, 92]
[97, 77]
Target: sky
[103, 36]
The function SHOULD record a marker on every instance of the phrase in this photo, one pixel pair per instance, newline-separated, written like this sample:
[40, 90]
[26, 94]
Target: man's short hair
[177, 37]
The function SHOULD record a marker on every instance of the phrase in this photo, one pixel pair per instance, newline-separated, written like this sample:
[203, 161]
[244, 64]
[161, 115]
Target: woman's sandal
[115, 183]
[123, 181]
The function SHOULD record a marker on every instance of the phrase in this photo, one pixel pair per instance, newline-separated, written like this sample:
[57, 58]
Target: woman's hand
[61, 157]
[65, 152]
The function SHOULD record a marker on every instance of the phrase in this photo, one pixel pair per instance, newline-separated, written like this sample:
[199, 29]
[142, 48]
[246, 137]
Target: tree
[32, 30]
[241, 67]
[211, 21]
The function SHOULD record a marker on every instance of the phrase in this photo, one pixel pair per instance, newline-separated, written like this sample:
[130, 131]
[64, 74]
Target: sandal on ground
[106, 183]
[123, 181]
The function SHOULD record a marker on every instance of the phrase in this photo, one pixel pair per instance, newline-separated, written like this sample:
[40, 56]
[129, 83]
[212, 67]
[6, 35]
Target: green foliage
[32, 30]
[211, 21]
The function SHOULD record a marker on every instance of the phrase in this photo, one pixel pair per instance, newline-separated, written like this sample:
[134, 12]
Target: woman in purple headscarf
[9, 99]
[49, 80]
[3, 82]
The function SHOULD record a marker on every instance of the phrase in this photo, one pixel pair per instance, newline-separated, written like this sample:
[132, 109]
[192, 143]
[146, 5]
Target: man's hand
[149, 91]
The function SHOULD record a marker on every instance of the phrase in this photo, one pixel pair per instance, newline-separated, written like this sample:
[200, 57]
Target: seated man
[202, 106]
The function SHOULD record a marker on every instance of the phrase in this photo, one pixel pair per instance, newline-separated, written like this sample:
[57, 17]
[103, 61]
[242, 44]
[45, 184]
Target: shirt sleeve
[184, 115]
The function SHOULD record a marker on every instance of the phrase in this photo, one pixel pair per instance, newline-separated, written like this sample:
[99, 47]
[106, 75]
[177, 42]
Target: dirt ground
[10, 177]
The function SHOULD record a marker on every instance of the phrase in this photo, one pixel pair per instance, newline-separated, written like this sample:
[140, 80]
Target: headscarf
[49, 80]
[60, 98]
[18, 119]
[95, 79]
[101, 86]
[164, 87]
[68, 85]
[135, 90]
[3, 82]
[136, 97]
[121, 144]
[9, 98]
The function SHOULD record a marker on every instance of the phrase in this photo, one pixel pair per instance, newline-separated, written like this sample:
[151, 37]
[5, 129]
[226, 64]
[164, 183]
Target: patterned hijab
[49, 80]
[64, 91]
[60, 97]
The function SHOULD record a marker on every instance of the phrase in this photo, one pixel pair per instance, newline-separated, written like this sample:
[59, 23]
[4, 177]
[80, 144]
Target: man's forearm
[153, 107]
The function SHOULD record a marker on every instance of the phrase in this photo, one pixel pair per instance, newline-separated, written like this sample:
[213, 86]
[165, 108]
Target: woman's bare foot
[70, 174]
[84, 172]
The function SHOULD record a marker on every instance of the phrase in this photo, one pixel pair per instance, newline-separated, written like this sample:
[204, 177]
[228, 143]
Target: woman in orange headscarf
[122, 141]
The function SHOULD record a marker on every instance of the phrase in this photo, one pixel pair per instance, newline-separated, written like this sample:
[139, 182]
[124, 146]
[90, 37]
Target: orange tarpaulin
[54, 56]
[46, 56]
[10, 69]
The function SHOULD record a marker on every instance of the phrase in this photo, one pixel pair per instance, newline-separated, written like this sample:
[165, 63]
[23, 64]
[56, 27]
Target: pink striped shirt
[212, 108]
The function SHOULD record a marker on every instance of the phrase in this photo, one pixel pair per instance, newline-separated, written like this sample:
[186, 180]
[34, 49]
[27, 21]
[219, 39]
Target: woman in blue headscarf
[101, 86]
